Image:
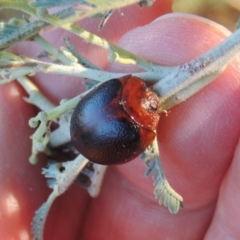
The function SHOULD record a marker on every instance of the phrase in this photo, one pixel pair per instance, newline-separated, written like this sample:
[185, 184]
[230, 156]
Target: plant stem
[194, 75]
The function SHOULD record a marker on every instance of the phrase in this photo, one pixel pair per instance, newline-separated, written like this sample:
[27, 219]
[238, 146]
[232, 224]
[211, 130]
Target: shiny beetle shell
[116, 121]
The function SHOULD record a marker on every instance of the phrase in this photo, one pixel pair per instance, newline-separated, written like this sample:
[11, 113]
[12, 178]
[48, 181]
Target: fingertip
[225, 224]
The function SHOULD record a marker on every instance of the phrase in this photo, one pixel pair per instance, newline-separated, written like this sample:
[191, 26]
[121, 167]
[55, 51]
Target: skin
[198, 139]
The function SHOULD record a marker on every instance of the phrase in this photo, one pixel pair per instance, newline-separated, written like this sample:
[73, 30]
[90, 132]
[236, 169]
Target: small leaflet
[60, 176]
[54, 3]
[7, 28]
[163, 192]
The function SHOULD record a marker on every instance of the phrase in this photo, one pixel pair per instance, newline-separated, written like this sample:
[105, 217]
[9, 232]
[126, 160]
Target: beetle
[116, 121]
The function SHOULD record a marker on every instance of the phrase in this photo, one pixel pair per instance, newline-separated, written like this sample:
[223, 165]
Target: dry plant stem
[30, 66]
[35, 96]
[172, 88]
[68, 56]
[184, 77]
[58, 54]
[176, 87]
[99, 7]
[29, 30]
[97, 179]
[42, 135]
[10, 75]
[40, 138]
[80, 59]
[62, 182]
[59, 182]
[61, 135]
[203, 69]
[116, 53]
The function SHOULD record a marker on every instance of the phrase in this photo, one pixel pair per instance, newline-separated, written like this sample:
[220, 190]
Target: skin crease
[198, 142]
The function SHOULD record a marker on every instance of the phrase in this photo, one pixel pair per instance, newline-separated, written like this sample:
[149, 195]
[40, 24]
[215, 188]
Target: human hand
[198, 140]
